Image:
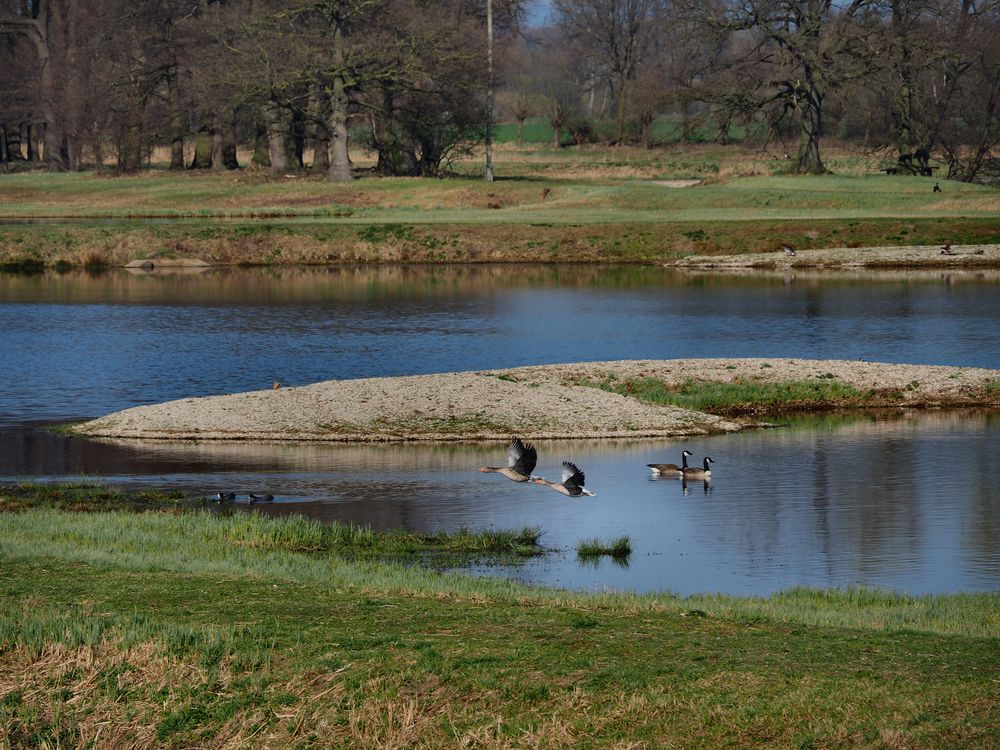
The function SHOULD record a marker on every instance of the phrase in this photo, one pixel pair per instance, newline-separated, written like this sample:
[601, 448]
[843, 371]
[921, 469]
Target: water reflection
[79, 345]
[905, 501]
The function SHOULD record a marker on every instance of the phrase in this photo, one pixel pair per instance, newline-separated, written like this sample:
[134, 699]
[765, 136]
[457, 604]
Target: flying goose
[521, 460]
[572, 481]
[260, 498]
[695, 472]
[671, 470]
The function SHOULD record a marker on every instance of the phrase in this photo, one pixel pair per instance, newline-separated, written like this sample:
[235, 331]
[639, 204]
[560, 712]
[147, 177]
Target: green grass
[125, 629]
[744, 396]
[993, 388]
[581, 204]
[248, 529]
[619, 547]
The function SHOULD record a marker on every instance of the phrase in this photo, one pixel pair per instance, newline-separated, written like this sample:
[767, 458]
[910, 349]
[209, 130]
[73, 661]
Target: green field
[579, 204]
[126, 629]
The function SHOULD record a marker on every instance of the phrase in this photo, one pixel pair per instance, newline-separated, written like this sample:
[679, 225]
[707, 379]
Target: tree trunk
[176, 121]
[203, 150]
[808, 105]
[217, 146]
[340, 162]
[298, 142]
[31, 139]
[260, 154]
[620, 117]
[276, 152]
[320, 134]
[557, 135]
[53, 138]
[130, 148]
[4, 156]
[520, 131]
[12, 136]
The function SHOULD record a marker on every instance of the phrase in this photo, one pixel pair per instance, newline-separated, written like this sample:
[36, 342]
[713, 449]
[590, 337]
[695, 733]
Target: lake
[904, 501]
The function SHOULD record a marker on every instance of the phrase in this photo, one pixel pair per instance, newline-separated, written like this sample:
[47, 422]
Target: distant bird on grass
[937, 188]
[572, 481]
[788, 250]
[521, 460]
[671, 470]
[946, 250]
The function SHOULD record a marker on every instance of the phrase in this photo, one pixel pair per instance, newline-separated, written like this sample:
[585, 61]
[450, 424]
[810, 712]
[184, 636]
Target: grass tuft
[619, 547]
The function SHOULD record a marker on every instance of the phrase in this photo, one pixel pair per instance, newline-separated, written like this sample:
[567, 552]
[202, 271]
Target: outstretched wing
[522, 458]
[572, 478]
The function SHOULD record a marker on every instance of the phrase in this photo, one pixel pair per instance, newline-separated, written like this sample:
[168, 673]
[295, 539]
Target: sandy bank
[533, 402]
[904, 256]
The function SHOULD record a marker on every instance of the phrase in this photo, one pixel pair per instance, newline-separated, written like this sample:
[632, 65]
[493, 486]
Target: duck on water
[671, 470]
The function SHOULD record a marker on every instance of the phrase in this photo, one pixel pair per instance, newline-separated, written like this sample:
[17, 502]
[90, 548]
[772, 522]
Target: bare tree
[614, 32]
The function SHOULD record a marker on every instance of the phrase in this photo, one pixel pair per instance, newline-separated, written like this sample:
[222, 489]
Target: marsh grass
[619, 547]
[90, 496]
[299, 534]
[743, 396]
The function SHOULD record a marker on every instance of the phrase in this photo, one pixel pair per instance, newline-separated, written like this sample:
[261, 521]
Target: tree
[613, 32]
[801, 51]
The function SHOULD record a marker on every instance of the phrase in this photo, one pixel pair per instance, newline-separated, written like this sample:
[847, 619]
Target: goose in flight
[521, 460]
[572, 481]
[671, 470]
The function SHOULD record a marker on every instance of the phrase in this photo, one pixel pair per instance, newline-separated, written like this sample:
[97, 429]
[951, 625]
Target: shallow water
[906, 502]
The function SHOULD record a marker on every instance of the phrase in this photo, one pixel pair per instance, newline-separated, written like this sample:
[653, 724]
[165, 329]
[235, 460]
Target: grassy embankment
[134, 629]
[751, 396]
[577, 204]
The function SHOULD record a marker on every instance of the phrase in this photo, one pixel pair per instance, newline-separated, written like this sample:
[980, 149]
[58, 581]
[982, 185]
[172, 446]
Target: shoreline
[563, 401]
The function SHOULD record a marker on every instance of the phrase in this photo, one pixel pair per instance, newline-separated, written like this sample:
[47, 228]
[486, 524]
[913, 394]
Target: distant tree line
[96, 82]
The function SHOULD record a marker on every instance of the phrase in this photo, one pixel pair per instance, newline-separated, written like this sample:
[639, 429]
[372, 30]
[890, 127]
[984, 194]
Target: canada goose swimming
[260, 498]
[671, 470]
[521, 460]
[572, 481]
[224, 497]
[695, 472]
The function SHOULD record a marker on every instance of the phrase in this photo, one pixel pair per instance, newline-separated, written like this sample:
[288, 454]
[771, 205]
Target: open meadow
[575, 204]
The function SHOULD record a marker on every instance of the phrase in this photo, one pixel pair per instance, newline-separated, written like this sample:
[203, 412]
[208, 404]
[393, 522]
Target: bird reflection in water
[706, 485]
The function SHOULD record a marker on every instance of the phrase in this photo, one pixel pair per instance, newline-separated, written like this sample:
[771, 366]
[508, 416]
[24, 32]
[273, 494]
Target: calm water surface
[75, 346]
[906, 502]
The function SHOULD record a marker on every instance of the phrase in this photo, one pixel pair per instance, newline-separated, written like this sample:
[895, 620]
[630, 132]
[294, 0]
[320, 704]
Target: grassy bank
[567, 205]
[245, 529]
[748, 395]
[131, 630]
